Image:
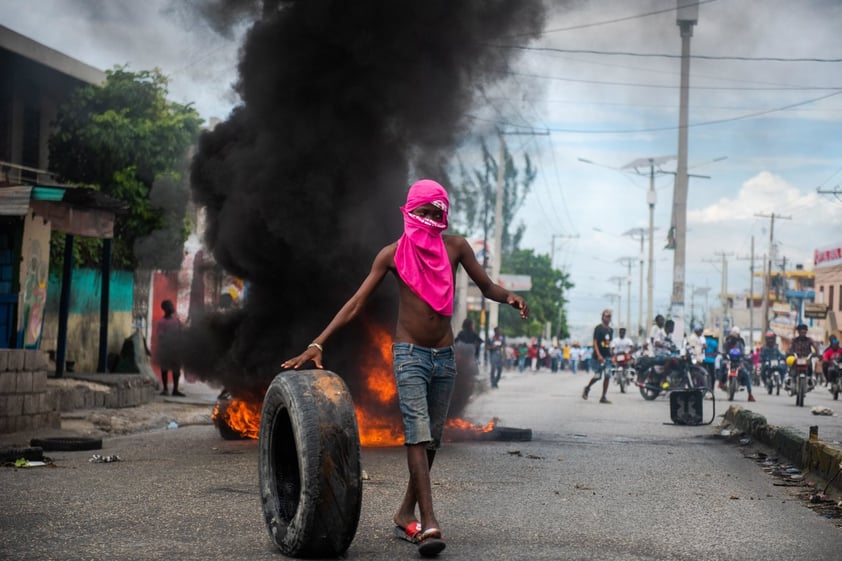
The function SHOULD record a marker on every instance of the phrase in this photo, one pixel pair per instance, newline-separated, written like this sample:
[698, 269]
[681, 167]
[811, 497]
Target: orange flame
[376, 409]
[463, 425]
[241, 416]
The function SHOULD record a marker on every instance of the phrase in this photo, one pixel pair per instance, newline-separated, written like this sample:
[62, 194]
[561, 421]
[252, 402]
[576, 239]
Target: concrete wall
[83, 322]
[24, 401]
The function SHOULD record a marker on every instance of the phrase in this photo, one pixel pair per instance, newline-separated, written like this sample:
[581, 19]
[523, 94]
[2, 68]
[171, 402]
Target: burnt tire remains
[67, 443]
[309, 464]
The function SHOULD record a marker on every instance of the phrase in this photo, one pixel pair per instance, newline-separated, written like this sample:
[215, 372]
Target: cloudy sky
[765, 120]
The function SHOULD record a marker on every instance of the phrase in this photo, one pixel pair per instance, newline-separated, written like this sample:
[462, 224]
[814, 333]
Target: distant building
[35, 81]
[828, 264]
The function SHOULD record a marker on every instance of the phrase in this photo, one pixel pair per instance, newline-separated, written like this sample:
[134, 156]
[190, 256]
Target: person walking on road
[424, 263]
[166, 328]
[602, 335]
[496, 347]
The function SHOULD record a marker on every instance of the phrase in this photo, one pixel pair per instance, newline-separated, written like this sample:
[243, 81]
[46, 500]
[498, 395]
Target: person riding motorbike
[735, 342]
[769, 353]
[802, 346]
[697, 344]
[830, 362]
[656, 336]
[621, 350]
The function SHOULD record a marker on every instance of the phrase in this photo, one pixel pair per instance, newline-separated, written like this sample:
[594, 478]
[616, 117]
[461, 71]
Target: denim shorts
[602, 369]
[425, 379]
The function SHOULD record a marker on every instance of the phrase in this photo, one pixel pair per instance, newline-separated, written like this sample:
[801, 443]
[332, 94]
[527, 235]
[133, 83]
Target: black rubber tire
[649, 393]
[732, 388]
[802, 390]
[309, 464]
[622, 380]
[67, 443]
[698, 377]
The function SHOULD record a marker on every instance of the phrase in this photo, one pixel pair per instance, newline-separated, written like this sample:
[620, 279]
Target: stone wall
[25, 403]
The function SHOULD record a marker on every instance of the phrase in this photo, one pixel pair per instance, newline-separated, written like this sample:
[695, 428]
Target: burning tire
[309, 464]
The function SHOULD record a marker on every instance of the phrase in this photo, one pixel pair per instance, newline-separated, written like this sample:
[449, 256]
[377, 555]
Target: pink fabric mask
[421, 258]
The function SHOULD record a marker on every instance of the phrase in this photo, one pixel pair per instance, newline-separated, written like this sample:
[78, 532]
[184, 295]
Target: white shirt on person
[622, 346]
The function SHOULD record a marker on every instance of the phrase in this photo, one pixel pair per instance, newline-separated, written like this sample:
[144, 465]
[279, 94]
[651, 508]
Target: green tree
[546, 299]
[121, 138]
[475, 196]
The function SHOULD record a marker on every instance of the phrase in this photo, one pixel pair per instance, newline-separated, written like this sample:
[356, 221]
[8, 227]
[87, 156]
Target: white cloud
[762, 194]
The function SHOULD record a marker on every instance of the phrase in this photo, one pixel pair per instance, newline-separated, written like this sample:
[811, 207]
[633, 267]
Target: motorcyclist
[656, 336]
[803, 345]
[832, 353]
[734, 341]
[770, 352]
[663, 343]
[622, 344]
[697, 344]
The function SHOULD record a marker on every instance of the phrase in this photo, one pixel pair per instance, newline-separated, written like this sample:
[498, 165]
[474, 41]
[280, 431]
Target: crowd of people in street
[596, 357]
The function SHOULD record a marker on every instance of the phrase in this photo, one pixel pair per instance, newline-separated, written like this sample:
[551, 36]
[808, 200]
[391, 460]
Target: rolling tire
[732, 388]
[67, 443]
[802, 389]
[309, 465]
[621, 379]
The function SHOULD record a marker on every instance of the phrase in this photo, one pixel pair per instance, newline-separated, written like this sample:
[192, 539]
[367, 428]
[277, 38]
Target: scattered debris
[821, 410]
[365, 476]
[810, 493]
[172, 425]
[515, 453]
[582, 487]
[99, 459]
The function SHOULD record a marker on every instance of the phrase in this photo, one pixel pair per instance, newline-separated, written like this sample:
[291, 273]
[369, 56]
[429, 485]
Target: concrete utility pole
[494, 307]
[552, 245]
[635, 233]
[723, 293]
[767, 272]
[628, 261]
[619, 281]
[650, 200]
[751, 259]
[687, 15]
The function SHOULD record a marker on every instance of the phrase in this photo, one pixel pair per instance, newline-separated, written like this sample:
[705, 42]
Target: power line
[690, 125]
[610, 21]
[667, 55]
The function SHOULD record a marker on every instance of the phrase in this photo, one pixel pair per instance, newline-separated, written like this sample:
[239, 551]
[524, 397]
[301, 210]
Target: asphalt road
[597, 482]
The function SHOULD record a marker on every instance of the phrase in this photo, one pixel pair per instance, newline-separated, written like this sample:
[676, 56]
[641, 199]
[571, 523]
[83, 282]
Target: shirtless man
[424, 263]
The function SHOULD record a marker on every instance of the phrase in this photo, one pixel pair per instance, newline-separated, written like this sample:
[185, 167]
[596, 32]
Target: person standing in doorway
[602, 335]
[166, 329]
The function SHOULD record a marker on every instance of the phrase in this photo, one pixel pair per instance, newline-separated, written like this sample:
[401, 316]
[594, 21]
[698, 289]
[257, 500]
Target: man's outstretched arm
[349, 310]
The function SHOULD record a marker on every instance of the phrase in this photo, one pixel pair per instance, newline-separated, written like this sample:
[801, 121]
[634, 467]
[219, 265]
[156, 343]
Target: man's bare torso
[418, 323]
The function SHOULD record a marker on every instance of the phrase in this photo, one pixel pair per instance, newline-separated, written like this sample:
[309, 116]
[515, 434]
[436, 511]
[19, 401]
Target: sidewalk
[99, 421]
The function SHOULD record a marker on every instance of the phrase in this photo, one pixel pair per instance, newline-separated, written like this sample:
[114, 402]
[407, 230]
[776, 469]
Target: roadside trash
[821, 410]
[99, 459]
[725, 432]
[24, 463]
[172, 425]
[365, 476]
[745, 441]
[793, 471]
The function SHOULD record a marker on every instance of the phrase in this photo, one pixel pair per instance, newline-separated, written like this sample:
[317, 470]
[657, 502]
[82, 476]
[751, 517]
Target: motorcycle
[732, 363]
[833, 375]
[800, 379]
[668, 372]
[772, 373]
[621, 370]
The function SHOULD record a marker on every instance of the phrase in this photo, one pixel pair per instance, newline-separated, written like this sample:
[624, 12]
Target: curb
[816, 456]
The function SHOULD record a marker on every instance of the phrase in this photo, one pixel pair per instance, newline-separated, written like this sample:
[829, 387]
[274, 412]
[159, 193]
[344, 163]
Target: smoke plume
[345, 104]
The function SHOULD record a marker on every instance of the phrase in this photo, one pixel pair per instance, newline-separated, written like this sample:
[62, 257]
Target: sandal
[410, 533]
[430, 542]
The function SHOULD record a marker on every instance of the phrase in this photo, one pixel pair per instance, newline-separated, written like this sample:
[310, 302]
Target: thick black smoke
[344, 105]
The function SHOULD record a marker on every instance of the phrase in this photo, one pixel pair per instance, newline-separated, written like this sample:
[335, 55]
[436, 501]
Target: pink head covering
[421, 258]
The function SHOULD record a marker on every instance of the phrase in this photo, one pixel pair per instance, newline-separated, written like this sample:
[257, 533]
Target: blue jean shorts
[602, 369]
[425, 379]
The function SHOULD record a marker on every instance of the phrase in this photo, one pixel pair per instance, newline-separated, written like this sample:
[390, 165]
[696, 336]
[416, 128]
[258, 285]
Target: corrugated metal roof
[14, 201]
